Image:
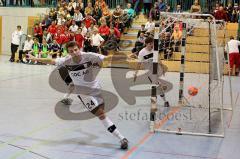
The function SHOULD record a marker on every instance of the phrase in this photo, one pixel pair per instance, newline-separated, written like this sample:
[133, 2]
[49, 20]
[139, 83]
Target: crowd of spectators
[94, 28]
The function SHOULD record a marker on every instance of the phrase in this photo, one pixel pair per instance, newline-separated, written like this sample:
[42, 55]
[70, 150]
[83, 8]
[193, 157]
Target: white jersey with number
[84, 72]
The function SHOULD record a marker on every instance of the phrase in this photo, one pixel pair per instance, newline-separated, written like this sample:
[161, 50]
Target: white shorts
[91, 102]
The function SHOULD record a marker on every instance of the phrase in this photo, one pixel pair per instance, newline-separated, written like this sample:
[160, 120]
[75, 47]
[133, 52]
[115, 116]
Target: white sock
[108, 124]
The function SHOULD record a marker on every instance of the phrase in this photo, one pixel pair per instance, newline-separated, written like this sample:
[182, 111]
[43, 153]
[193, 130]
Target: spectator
[162, 6]
[23, 38]
[104, 30]
[35, 48]
[46, 22]
[229, 11]
[27, 47]
[97, 41]
[55, 49]
[195, 8]
[177, 38]
[216, 8]
[142, 30]
[221, 14]
[141, 38]
[89, 9]
[147, 6]
[155, 12]
[52, 30]
[78, 17]
[84, 29]
[97, 13]
[88, 43]
[116, 32]
[150, 26]
[130, 11]
[234, 56]
[89, 20]
[80, 5]
[73, 28]
[15, 42]
[79, 38]
[117, 13]
[61, 20]
[178, 9]
[38, 33]
[44, 49]
[71, 7]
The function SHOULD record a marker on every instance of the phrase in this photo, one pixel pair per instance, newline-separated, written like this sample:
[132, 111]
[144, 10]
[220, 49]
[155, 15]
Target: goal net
[192, 46]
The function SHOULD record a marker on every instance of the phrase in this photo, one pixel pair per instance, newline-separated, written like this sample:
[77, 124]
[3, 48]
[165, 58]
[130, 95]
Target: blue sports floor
[30, 128]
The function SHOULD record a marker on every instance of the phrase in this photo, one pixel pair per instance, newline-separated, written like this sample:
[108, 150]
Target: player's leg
[66, 98]
[100, 113]
[96, 106]
[66, 78]
[161, 91]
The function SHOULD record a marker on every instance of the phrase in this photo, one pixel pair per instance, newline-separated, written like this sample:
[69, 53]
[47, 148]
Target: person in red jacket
[89, 20]
[57, 36]
[104, 30]
[79, 38]
[52, 29]
[221, 14]
[37, 31]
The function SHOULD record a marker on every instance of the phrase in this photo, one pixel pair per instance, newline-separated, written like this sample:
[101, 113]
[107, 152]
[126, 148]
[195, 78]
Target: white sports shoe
[124, 144]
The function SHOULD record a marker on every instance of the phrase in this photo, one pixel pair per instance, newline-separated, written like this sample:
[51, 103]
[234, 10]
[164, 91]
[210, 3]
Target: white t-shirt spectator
[73, 28]
[232, 46]
[78, 17]
[84, 31]
[28, 45]
[150, 26]
[16, 37]
[96, 40]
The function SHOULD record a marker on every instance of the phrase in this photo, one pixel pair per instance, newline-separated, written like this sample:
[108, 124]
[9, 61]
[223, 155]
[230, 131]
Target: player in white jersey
[145, 57]
[82, 67]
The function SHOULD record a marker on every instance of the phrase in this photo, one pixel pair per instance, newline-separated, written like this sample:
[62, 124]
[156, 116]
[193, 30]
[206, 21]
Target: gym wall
[10, 18]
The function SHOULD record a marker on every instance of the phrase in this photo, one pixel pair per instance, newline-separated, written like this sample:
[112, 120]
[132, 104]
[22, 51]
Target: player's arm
[42, 60]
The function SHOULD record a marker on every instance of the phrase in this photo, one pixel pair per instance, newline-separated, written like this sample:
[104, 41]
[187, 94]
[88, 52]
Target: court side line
[179, 154]
[37, 145]
[17, 138]
[235, 105]
[147, 136]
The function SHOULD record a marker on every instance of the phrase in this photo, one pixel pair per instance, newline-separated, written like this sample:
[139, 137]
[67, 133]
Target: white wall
[11, 17]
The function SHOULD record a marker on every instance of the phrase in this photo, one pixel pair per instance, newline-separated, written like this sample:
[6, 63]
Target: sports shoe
[124, 144]
[67, 101]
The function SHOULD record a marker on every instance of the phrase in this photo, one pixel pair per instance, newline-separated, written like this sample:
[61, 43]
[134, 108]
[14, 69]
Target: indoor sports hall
[119, 79]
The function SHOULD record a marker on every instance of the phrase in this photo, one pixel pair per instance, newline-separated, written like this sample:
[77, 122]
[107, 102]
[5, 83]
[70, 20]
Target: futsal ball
[192, 91]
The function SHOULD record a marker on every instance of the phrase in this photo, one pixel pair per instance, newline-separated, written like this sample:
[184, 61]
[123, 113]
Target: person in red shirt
[57, 36]
[116, 31]
[38, 33]
[68, 37]
[52, 29]
[221, 14]
[89, 20]
[104, 30]
[79, 38]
